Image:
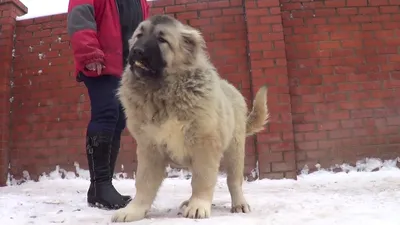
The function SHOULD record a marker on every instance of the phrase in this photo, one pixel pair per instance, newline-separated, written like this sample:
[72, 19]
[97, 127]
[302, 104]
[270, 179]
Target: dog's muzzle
[137, 59]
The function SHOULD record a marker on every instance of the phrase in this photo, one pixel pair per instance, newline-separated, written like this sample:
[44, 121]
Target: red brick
[210, 13]
[272, 3]
[347, 11]
[394, 2]
[391, 121]
[389, 9]
[329, 45]
[369, 10]
[218, 4]
[339, 20]
[186, 15]
[378, 3]
[371, 26]
[339, 134]
[175, 8]
[329, 125]
[257, 12]
[232, 11]
[311, 145]
[357, 3]
[304, 127]
[313, 136]
[335, 3]
[316, 154]
[316, 20]
[274, 10]
[325, 12]
[282, 166]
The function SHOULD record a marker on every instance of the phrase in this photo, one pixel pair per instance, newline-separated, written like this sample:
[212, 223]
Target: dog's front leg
[205, 163]
[149, 176]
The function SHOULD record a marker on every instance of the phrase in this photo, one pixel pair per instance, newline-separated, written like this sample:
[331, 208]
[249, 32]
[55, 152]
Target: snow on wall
[364, 165]
[40, 8]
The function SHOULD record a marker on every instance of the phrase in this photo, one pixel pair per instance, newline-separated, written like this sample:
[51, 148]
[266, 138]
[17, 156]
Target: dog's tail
[259, 115]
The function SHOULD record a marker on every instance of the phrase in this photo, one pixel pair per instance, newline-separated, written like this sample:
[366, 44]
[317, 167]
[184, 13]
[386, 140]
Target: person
[99, 31]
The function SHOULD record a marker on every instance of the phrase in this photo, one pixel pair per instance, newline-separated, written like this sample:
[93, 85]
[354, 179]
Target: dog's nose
[138, 52]
[135, 54]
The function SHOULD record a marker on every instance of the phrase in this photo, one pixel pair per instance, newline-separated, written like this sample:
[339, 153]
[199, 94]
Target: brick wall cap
[18, 4]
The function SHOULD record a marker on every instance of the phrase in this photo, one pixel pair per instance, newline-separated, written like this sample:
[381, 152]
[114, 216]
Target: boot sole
[96, 204]
[103, 207]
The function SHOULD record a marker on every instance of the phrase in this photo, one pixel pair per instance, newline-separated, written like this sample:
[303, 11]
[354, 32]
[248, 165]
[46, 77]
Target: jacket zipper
[116, 3]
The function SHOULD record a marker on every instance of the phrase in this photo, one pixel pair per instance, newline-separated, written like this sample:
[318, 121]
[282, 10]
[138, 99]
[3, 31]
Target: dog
[180, 111]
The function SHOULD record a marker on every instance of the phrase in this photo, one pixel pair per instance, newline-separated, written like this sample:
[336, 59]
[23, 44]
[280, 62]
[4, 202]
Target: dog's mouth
[141, 65]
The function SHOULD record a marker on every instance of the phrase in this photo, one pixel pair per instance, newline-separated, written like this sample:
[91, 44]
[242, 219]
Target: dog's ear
[193, 41]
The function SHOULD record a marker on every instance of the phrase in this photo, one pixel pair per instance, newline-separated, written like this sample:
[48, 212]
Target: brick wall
[331, 68]
[8, 11]
[344, 66]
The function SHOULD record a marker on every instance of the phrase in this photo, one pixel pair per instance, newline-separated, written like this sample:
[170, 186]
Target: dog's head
[163, 43]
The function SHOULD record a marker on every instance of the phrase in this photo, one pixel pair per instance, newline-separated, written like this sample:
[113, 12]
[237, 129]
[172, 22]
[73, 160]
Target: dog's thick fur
[188, 116]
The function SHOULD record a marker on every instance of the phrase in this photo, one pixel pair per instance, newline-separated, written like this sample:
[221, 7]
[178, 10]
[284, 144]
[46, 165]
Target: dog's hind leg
[205, 164]
[149, 176]
[234, 160]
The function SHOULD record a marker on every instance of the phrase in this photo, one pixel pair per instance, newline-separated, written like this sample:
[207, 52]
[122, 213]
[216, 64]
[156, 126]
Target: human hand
[95, 66]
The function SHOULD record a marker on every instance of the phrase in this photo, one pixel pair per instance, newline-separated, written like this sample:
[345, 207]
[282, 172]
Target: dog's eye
[161, 40]
[139, 36]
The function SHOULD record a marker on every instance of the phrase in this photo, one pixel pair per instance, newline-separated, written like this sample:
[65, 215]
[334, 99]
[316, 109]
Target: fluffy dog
[180, 111]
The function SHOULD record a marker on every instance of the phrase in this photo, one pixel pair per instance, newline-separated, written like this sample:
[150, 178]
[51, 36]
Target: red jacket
[95, 32]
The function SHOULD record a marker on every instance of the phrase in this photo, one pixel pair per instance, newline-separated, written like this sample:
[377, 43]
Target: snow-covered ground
[357, 196]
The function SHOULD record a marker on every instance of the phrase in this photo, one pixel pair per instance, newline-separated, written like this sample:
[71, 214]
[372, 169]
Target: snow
[40, 8]
[367, 194]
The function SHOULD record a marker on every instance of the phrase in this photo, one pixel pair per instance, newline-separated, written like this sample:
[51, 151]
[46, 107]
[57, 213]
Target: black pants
[107, 115]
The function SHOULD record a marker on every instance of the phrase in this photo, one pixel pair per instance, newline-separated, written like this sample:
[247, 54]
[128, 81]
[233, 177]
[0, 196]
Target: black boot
[101, 193]
[115, 146]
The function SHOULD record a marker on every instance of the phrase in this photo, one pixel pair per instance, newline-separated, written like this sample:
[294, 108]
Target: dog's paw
[196, 209]
[241, 208]
[128, 214]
